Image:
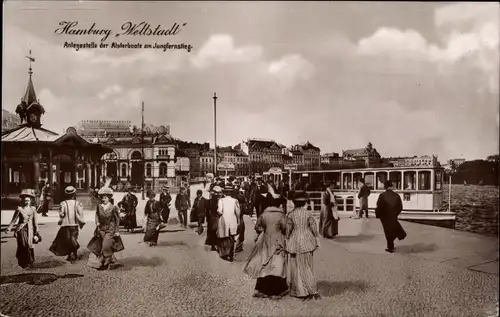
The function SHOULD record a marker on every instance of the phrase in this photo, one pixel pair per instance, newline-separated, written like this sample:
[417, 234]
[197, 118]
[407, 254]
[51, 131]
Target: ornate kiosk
[32, 155]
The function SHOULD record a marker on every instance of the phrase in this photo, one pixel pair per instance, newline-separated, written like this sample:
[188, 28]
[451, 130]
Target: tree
[369, 147]
[493, 158]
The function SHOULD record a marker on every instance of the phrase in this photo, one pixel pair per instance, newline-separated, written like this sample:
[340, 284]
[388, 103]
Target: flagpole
[215, 134]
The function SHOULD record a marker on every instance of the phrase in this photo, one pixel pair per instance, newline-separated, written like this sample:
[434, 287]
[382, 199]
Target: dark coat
[182, 201]
[165, 200]
[261, 203]
[199, 210]
[129, 202]
[212, 221]
[389, 206]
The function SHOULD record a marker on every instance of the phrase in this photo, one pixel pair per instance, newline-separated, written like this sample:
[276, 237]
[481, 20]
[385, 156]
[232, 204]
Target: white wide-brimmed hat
[69, 190]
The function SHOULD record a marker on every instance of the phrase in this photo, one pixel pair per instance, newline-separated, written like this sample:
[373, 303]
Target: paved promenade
[434, 272]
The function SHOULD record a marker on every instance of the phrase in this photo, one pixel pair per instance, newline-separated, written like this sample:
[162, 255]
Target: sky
[411, 78]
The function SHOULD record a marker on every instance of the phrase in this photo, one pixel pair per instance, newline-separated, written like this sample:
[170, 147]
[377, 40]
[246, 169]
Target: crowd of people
[281, 259]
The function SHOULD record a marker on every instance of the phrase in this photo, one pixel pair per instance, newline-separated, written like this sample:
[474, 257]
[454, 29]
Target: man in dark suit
[199, 210]
[389, 206]
[240, 197]
[363, 194]
[129, 203]
[165, 200]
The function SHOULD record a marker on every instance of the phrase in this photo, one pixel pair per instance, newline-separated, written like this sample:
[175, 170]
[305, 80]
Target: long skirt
[152, 233]
[25, 254]
[212, 225]
[66, 241]
[226, 247]
[103, 247]
[107, 246]
[130, 221]
[271, 285]
[328, 225]
[300, 275]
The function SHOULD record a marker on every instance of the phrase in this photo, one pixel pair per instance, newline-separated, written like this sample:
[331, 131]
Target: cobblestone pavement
[181, 277]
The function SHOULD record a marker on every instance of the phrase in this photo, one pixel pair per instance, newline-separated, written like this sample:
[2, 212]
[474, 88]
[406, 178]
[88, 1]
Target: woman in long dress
[153, 213]
[302, 241]
[26, 232]
[328, 220]
[213, 218]
[267, 262]
[71, 219]
[106, 239]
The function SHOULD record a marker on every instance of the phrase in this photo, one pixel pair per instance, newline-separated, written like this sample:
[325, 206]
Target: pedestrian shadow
[127, 264]
[417, 248]
[171, 244]
[358, 238]
[35, 278]
[330, 288]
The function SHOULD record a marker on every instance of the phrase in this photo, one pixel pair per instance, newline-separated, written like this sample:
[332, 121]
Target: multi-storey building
[456, 162]
[329, 159]
[193, 151]
[148, 159]
[368, 154]
[425, 160]
[207, 161]
[297, 156]
[238, 158]
[306, 156]
[262, 154]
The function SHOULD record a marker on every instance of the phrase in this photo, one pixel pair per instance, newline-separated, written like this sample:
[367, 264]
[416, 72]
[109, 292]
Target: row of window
[401, 181]
[162, 170]
[271, 158]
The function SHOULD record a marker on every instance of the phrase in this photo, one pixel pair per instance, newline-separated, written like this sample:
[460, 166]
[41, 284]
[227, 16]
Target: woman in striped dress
[302, 241]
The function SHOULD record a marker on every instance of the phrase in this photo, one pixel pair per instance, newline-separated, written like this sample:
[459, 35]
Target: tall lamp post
[215, 134]
[142, 148]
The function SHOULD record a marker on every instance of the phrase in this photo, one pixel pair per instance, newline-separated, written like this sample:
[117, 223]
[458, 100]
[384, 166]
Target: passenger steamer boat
[420, 188]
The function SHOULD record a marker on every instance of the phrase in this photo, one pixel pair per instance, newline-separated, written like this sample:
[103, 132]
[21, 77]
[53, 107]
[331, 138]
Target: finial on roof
[31, 59]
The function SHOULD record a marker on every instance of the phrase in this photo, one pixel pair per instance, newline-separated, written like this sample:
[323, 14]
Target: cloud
[50, 101]
[476, 40]
[220, 48]
[129, 99]
[109, 91]
[417, 81]
[290, 68]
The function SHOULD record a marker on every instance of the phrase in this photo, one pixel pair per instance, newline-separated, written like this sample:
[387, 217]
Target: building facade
[207, 162]
[193, 151]
[150, 158]
[369, 155]
[426, 160]
[306, 156]
[263, 154]
[330, 160]
[456, 162]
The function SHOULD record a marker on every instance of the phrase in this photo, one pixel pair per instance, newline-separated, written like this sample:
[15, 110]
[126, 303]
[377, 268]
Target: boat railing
[344, 203]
